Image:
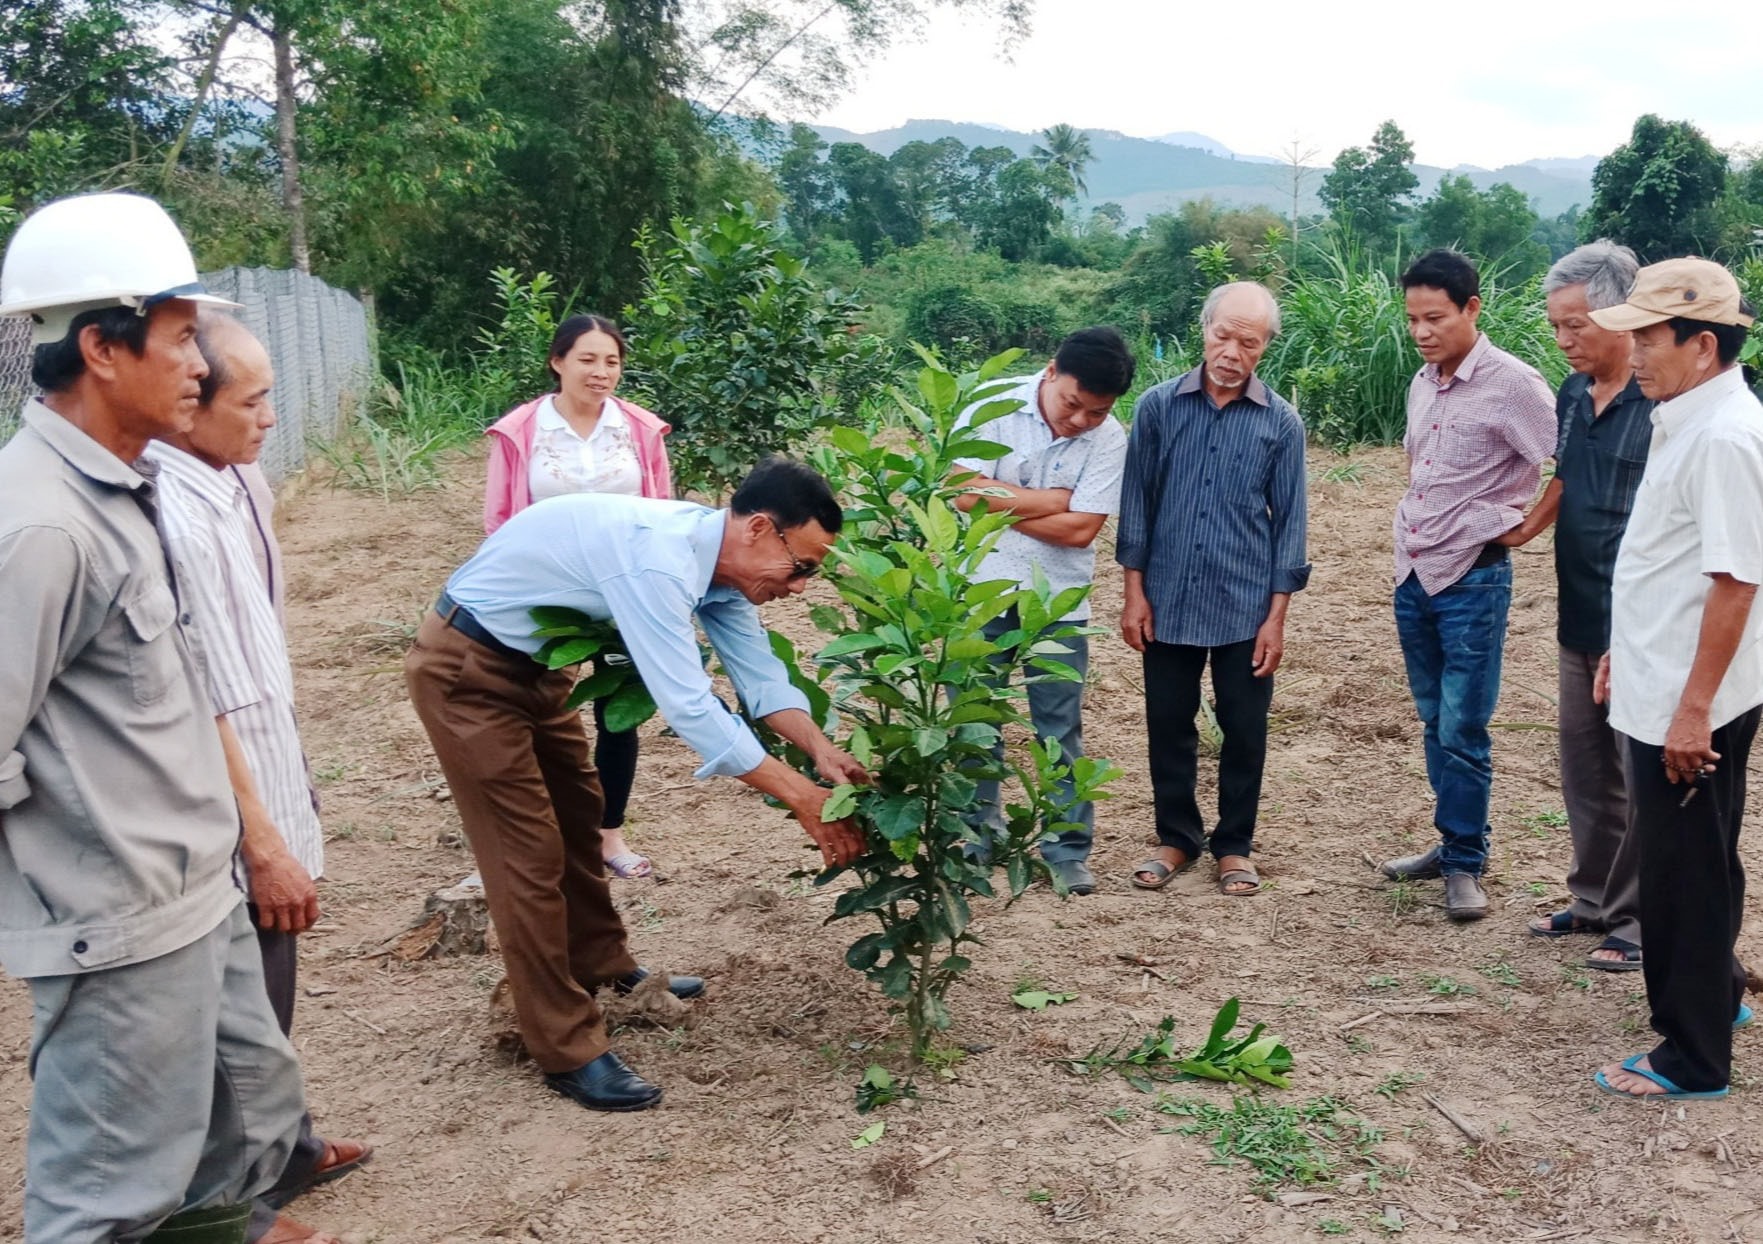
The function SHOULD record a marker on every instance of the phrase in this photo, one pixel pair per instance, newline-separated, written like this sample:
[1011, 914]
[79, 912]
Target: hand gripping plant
[912, 673]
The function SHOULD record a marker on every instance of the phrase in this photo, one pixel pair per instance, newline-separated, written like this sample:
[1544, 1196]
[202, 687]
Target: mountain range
[1150, 175]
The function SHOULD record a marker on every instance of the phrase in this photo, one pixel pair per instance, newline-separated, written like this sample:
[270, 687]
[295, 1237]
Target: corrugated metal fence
[319, 338]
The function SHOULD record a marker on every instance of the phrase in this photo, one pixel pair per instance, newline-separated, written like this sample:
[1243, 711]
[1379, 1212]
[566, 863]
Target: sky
[1490, 83]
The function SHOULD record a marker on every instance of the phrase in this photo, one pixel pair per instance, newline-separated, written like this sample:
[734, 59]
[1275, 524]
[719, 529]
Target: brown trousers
[520, 771]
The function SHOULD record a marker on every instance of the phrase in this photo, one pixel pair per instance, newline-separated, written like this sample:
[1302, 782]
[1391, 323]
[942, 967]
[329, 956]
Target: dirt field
[754, 1141]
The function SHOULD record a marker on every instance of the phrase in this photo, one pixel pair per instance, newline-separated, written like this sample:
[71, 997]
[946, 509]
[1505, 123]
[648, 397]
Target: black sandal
[1562, 924]
[1630, 961]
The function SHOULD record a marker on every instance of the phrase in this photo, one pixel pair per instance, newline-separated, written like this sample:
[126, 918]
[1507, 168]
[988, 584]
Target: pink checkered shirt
[1474, 448]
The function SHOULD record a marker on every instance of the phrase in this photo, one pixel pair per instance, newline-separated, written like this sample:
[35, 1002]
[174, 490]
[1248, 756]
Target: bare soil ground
[754, 1141]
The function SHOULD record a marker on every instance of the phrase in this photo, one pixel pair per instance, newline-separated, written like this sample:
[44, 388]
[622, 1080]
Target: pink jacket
[511, 448]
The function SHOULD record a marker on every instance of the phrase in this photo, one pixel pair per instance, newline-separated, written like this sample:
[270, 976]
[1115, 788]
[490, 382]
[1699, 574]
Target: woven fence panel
[319, 339]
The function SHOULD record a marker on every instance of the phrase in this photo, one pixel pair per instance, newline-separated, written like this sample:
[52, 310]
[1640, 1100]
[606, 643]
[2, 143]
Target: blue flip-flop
[1671, 1093]
[1745, 1016]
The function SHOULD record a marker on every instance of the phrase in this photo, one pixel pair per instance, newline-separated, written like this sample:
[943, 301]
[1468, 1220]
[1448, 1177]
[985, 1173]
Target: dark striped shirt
[1213, 509]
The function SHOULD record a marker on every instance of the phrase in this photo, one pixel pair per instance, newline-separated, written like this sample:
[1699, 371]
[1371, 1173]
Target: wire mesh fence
[319, 339]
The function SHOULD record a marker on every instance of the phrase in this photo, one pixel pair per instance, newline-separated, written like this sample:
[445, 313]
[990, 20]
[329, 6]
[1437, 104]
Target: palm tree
[1067, 150]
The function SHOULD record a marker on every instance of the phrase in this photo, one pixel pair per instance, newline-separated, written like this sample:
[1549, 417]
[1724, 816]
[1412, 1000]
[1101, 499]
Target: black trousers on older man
[1172, 699]
[1692, 904]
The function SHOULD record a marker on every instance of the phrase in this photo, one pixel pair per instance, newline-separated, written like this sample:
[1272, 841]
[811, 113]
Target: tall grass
[1345, 360]
[399, 442]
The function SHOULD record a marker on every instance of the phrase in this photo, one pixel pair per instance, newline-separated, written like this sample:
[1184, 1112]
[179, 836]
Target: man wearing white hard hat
[1684, 674]
[164, 1094]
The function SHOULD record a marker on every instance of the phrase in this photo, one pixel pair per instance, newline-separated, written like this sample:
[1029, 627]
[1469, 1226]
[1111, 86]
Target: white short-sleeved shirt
[1698, 512]
[1090, 464]
[603, 461]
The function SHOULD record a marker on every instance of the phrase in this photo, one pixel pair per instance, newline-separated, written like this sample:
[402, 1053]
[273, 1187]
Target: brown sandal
[1162, 873]
[1244, 874]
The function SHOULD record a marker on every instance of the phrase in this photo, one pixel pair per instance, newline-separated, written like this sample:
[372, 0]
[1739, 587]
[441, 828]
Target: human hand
[1514, 538]
[1270, 647]
[1136, 625]
[1689, 751]
[840, 842]
[285, 895]
[837, 765]
[1601, 681]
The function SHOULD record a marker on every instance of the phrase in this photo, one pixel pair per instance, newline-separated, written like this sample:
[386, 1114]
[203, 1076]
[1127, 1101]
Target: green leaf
[869, 1135]
[572, 652]
[1040, 999]
[845, 645]
[865, 951]
[827, 618]
[603, 681]
[630, 706]
[840, 803]
[559, 616]
[929, 740]
[1222, 1023]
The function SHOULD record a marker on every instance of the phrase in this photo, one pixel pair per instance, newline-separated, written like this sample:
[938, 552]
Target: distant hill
[1150, 175]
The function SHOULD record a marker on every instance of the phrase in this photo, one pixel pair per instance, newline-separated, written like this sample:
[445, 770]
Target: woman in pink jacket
[583, 439]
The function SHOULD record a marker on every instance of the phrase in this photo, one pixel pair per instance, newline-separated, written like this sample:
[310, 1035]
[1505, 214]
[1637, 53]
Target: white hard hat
[92, 251]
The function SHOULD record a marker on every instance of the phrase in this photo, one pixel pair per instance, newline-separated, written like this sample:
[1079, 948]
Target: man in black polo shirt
[1606, 426]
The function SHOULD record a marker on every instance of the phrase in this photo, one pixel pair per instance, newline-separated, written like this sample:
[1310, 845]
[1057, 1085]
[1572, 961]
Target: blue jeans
[1452, 644]
[1056, 710]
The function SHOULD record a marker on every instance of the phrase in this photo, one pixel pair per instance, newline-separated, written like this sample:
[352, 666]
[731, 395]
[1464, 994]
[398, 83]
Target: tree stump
[455, 921]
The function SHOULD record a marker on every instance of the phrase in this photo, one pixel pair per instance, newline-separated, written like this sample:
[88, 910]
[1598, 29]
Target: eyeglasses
[799, 569]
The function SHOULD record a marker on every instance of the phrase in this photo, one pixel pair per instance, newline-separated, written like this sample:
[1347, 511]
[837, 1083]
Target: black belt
[1492, 554]
[465, 622]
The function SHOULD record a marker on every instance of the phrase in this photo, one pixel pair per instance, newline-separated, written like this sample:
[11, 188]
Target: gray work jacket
[117, 822]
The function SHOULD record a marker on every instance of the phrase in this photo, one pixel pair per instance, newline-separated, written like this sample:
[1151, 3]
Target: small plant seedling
[1357, 1044]
[1445, 986]
[1040, 999]
[1576, 976]
[879, 1088]
[1540, 823]
[1252, 1060]
[1383, 982]
[1390, 1221]
[1404, 897]
[1120, 1114]
[1397, 1082]
[1502, 973]
[1345, 473]
[1333, 1226]
[869, 1135]
[1536, 889]
[1039, 1196]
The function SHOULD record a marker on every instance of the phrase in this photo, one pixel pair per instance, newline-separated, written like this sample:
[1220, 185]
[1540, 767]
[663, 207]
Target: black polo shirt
[1599, 460]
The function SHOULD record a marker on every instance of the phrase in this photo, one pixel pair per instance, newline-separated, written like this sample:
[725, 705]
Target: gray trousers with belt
[1605, 878]
[157, 1087]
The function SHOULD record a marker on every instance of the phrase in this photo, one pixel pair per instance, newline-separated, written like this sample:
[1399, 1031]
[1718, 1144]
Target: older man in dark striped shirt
[1213, 520]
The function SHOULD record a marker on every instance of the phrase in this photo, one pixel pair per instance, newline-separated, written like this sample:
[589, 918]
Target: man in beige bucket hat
[1684, 675]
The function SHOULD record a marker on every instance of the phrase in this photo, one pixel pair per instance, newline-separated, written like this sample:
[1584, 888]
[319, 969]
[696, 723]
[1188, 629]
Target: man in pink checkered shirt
[1480, 424]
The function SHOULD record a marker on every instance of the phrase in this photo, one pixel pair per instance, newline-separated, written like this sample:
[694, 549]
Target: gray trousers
[157, 1087]
[1056, 710]
[281, 962]
[1605, 878]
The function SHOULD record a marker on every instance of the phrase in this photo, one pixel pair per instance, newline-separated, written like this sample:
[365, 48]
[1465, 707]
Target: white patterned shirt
[206, 517]
[1698, 512]
[564, 462]
[1090, 464]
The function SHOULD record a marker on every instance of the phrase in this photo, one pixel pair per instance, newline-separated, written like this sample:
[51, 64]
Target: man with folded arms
[1684, 675]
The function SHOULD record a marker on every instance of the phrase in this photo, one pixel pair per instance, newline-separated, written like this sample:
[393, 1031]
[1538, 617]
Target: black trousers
[615, 756]
[1692, 904]
[1172, 698]
[281, 960]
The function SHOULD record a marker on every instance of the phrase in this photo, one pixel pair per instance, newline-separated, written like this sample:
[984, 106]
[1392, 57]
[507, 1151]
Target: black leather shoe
[606, 1084]
[1422, 867]
[685, 988]
[1074, 875]
[1464, 897]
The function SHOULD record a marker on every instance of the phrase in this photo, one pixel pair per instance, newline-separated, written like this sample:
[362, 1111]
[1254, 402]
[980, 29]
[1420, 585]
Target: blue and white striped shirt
[1213, 509]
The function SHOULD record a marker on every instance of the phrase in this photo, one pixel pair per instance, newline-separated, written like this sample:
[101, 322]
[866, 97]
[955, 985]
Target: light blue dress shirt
[645, 565]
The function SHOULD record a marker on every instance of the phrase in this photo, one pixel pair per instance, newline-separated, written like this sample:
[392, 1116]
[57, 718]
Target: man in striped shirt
[1212, 533]
[211, 533]
[1480, 423]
